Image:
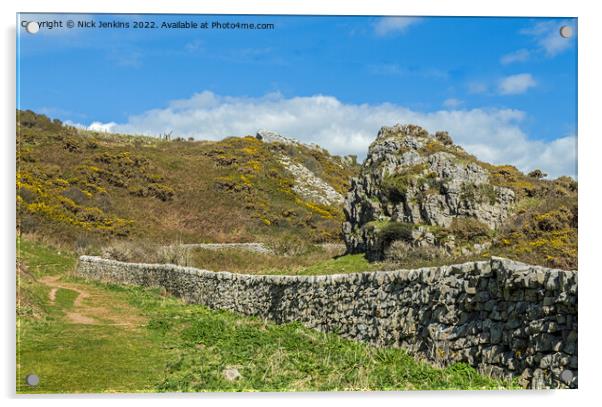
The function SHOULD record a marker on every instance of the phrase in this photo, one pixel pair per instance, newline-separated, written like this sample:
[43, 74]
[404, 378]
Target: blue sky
[505, 88]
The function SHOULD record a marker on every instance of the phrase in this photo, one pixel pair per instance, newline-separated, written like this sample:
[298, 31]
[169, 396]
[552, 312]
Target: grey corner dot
[566, 376]
[32, 379]
[32, 27]
[566, 31]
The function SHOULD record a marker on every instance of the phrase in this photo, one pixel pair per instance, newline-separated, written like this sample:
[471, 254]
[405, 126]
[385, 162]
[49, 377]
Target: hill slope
[85, 187]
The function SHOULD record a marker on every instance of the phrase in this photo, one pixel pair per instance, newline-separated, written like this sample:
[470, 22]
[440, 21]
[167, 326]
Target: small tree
[537, 173]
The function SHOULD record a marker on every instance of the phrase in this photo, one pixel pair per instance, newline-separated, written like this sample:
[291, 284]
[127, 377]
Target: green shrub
[482, 193]
[76, 195]
[29, 119]
[487, 193]
[161, 191]
[395, 187]
[537, 173]
[400, 252]
[119, 250]
[469, 229]
[567, 183]
[393, 231]
[561, 218]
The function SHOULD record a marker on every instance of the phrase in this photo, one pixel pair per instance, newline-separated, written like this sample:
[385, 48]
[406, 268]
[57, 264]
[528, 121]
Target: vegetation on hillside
[86, 188]
[298, 258]
[543, 227]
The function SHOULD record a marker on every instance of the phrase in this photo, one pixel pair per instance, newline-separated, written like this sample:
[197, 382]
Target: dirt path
[93, 306]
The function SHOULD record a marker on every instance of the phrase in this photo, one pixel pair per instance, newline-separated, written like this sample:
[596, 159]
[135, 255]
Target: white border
[590, 173]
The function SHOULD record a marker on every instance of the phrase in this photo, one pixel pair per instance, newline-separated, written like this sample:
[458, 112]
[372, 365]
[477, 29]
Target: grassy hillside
[79, 336]
[86, 188]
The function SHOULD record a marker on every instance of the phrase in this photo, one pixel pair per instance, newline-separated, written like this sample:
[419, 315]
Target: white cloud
[517, 56]
[452, 103]
[103, 127]
[516, 84]
[494, 135]
[547, 35]
[550, 155]
[394, 25]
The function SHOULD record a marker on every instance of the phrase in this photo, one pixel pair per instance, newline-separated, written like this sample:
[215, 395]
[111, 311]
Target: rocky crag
[414, 188]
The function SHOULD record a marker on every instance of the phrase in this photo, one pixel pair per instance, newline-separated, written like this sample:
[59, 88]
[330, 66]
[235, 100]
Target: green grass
[351, 263]
[314, 261]
[65, 298]
[74, 358]
[318, 262]
[71, 358]
[286, 357]
[45, 260]
[183, 347]
[244, 261]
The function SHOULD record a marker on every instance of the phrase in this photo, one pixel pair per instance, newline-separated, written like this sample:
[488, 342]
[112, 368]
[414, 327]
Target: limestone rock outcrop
[269, 136]
[307, 185]
[414, 189]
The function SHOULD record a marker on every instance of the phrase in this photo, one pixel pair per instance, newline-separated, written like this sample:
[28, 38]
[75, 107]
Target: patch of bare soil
[93, 306]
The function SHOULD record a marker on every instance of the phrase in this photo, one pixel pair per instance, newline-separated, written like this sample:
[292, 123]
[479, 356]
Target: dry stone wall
[506, 318]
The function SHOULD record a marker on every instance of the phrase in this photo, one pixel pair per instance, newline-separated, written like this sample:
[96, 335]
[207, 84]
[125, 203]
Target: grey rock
[231, 374]
[308, 185]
